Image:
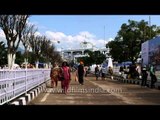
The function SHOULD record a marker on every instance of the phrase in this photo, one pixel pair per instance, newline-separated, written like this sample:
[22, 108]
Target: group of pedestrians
[103, 71]
[63, 74]
[152, 72]
[142, 72]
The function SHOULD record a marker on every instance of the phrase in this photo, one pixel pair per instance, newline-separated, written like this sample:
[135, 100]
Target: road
[99, 92]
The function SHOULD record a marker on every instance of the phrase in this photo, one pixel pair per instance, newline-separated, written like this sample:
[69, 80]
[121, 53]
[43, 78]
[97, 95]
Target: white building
[73, 54]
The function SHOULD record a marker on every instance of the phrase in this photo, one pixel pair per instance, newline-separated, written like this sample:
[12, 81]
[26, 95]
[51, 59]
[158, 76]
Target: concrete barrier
[137, 81]
[24, 100]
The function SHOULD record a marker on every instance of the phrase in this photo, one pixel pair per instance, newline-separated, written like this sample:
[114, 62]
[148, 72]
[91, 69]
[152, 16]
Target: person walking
[97, 72]
[121, 71]
[153, 76]
[110, 71]
[103, 72]
[65, 74]
[54, 75]
[81, 73]
[138, 71]
[144, 76]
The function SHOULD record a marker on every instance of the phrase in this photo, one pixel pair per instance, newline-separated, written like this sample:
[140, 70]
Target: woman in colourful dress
[54, 75]
[65, 72]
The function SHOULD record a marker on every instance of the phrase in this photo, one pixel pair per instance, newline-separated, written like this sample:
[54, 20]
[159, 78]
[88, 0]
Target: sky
[72, 30]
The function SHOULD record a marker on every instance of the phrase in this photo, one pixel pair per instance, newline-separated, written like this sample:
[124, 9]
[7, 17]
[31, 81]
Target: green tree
[3, 54]
[27, 34]
[94, 58]
[127, 43]
[19, 58]
[43, 50]
[12, 26]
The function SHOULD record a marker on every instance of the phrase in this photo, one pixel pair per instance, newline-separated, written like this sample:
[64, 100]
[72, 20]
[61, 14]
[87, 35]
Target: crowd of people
[103, 72]
[63, 73]
[137, 71]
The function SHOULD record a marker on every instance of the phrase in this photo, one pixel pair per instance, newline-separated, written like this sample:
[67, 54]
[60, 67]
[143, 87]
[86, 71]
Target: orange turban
[81, 62]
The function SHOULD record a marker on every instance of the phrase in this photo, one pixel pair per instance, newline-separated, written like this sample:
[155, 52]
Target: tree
[94, 58]
[56, 58]
[19, 57]
[3, 54]
[12, 26]
[43, 50]
[47, 50]
[36, 45]
[127, 43]
[53, 55]
[27, 34]
[116, 49]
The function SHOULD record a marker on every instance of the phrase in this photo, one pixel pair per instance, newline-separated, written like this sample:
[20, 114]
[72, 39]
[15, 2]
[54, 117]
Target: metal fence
[14, 83]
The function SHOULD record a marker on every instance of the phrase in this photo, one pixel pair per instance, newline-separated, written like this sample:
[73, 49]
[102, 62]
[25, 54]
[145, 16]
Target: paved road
[101, 92]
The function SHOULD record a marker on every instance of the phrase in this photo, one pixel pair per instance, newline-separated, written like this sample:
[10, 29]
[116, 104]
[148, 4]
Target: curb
[24, 100]
[138, 82]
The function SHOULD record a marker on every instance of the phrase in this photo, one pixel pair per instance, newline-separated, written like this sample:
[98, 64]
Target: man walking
[153, 76]
[81, 73]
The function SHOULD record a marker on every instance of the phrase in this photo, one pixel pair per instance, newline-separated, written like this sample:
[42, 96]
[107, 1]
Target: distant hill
[4, 40]
[20, 49]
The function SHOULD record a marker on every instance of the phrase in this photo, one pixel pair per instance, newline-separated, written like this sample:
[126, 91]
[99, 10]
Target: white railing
[14, 83]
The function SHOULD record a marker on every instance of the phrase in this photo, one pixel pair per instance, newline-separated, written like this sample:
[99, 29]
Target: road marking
[45, 97]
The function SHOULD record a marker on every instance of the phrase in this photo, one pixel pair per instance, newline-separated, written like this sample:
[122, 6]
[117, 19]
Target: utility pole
[104, 33]
[104, 37]
[107, 52]
[150, 25]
